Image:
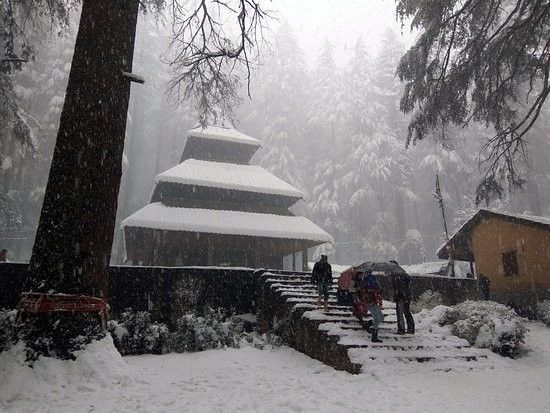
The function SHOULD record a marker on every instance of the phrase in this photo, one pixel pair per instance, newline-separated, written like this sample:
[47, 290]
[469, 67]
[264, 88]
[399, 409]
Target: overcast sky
[342, 21]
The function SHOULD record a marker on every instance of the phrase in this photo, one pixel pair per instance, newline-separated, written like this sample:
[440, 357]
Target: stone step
[308, 286]
[332, 303]
[269, 275]
[362, 355]
[403, 365]
[421, 336]
[388, 315]
[363, 339]
[313, 294]
[399, 346]
[289, 281]
[295, 281]
[428, 358]
[388, 332]
[312, 289]
[349, 344]
[316, 315]
[308, 289]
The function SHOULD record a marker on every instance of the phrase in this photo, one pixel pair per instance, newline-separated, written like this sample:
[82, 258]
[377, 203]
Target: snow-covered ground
[274, 380]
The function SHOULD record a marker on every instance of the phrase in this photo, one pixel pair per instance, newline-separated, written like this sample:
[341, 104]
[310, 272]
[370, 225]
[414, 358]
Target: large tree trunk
[72, 248]
[73, 243]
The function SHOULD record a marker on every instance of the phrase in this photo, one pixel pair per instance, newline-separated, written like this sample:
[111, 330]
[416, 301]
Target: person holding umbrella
[401, 283]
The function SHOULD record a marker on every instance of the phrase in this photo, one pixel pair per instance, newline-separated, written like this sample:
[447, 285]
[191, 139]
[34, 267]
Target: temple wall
[166, 292]
[170, 292]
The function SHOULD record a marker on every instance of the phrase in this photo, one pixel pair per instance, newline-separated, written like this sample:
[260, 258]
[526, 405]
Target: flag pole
[438, 195]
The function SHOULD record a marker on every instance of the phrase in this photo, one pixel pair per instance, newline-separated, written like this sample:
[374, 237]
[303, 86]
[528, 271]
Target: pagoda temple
[214, 209]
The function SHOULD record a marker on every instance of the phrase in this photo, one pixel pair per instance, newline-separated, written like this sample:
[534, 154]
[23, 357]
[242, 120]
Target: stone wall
[12, 276]
[166, 292]
[169, 292]
[453, 290]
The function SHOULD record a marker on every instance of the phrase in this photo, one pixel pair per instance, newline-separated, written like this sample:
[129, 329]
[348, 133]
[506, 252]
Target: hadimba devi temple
[215, 209]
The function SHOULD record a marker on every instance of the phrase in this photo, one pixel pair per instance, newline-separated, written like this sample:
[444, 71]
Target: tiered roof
[159, 216]
[224, 134]
[217, 192]
[219, 144]
[249, 178]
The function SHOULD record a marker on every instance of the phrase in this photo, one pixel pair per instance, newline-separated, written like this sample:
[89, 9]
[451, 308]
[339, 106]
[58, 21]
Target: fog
[325, 103]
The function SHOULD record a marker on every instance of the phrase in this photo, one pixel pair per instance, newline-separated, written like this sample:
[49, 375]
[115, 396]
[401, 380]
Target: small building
[214, 209]
[512, 250]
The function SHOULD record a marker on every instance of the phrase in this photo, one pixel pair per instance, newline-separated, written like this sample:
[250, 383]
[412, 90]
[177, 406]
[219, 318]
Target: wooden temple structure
[214, 209]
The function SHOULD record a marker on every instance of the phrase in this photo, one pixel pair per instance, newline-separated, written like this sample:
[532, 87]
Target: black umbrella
[386, 267]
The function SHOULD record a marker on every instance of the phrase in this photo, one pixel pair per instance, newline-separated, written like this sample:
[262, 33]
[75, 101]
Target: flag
[437, 194]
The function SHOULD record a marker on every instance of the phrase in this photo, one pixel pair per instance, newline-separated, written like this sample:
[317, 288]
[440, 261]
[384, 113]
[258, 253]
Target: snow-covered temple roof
[160, 216]
[224, 134]
[250, 178]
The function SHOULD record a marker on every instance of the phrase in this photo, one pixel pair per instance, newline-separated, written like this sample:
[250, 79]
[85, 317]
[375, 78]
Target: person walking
[3, 255]
[371, 294]
[401, 283]
[322, 276]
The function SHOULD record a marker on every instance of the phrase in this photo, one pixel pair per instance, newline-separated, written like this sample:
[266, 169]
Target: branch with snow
[211, 41]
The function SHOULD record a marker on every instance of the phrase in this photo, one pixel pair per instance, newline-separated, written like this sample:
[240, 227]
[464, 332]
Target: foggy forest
[330, 124]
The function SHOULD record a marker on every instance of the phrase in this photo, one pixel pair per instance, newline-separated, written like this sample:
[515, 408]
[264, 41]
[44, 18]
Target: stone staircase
[337, 338]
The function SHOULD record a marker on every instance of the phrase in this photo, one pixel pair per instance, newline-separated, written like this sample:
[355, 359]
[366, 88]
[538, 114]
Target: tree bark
[72, 248]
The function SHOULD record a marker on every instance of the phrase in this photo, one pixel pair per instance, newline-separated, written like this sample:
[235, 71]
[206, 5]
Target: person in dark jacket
[484, 284]
[401, 283]
[322, 276]
[371, 294]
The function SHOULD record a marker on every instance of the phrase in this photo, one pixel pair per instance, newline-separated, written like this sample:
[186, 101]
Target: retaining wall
[166, 292]
[452, 290]
[169, 292]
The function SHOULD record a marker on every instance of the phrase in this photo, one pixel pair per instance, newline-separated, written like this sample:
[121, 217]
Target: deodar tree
[72, 248]
[478, 60]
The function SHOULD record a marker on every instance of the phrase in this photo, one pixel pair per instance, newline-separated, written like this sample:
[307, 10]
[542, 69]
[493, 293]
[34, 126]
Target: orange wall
[494, 236]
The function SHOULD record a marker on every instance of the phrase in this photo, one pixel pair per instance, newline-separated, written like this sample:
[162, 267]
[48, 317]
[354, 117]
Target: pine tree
[276, 111]
[473, 61]
[326, 121]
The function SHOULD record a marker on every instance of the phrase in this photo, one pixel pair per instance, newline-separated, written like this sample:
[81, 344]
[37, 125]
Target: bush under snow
[214, 330]
[543, 311]
[135, 333]
[484, 324]
[427, 300]
[7, 326]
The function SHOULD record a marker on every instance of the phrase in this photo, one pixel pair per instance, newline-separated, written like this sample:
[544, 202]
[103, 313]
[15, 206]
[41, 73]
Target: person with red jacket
[371, 294]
